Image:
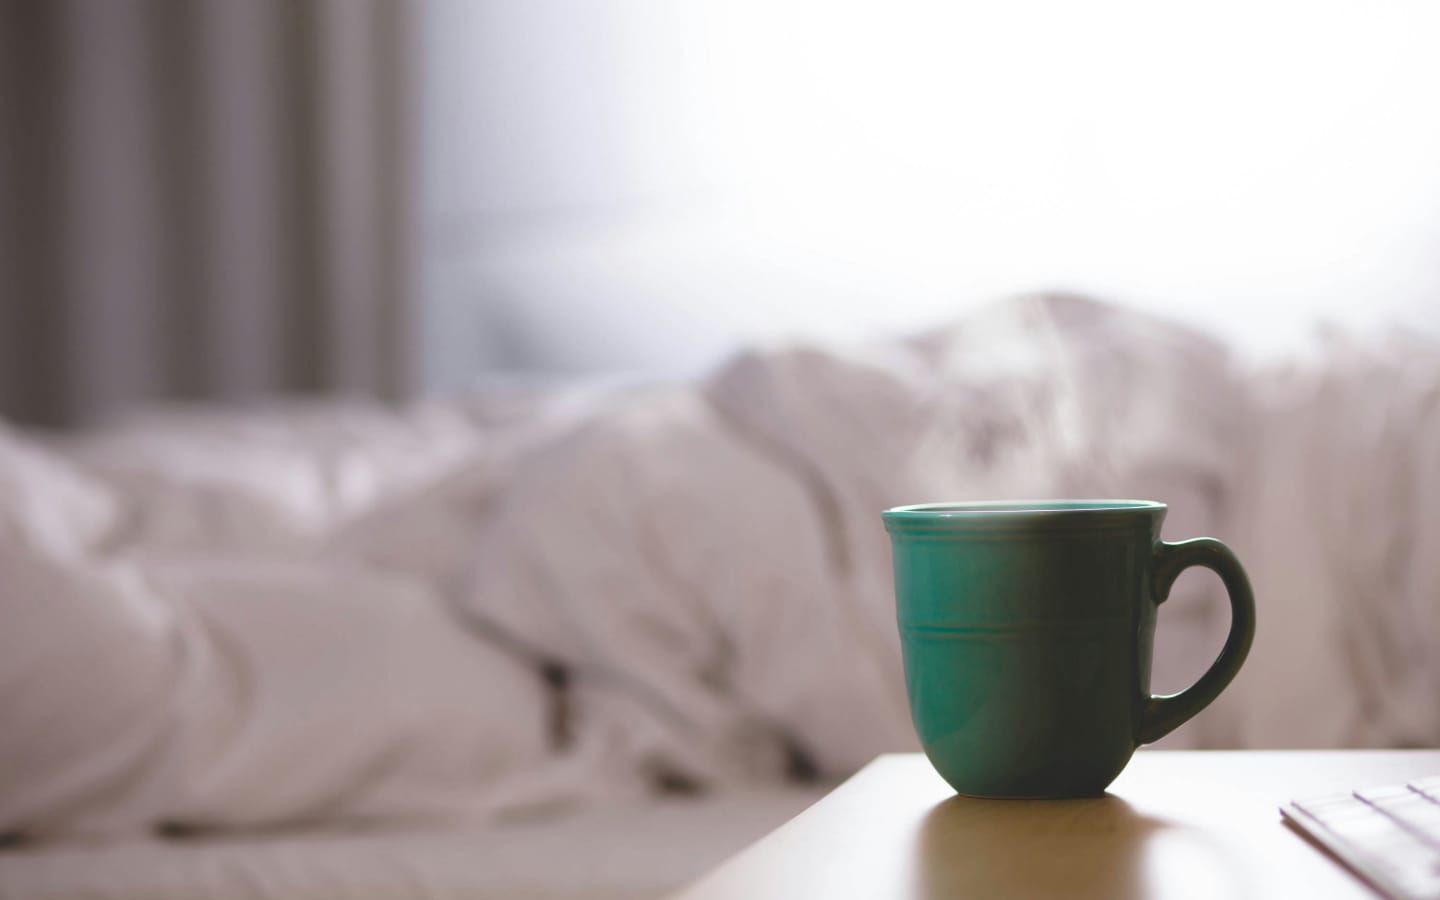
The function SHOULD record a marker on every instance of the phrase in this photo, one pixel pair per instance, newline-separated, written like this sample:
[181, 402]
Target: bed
[545, 642]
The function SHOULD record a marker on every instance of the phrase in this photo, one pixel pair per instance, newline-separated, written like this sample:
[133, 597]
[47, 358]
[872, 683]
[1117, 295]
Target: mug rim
[1011, 517]
[968, 509]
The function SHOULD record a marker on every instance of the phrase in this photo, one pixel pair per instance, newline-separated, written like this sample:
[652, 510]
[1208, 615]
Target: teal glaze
[1027, 631]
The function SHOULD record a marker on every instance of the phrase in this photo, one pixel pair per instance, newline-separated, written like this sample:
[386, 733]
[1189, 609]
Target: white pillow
[321, 692]
[89, 659]
[247, 694]
[274, 479]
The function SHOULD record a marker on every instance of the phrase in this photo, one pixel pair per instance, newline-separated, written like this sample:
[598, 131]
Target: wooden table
[1175, 824]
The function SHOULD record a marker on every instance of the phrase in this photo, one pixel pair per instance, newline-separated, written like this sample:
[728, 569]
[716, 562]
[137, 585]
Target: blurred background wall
[646, 183]
[212, 199]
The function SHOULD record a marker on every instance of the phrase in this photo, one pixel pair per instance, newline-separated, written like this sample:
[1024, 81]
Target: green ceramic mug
[1028, 628]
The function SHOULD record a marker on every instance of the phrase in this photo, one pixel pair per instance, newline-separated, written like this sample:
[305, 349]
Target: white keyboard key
[1390, 835]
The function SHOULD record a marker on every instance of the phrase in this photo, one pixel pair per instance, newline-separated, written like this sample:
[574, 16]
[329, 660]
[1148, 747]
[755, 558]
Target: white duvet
[487, 604]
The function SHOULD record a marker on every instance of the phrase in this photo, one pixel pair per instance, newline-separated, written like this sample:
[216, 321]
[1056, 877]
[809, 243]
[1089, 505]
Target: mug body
[1027, 631]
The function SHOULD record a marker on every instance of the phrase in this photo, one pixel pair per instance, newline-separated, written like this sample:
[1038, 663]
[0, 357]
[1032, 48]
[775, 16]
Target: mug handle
[1163, 715]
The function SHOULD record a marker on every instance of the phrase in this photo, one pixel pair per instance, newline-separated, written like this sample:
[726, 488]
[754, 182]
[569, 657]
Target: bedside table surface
[1174, 824]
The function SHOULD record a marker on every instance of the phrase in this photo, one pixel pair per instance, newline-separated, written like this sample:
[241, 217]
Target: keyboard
[1389, 835]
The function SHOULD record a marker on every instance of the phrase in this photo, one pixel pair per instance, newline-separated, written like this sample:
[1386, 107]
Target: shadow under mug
[1028, 629]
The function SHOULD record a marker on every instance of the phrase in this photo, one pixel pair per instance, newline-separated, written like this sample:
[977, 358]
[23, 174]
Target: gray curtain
[203, 200]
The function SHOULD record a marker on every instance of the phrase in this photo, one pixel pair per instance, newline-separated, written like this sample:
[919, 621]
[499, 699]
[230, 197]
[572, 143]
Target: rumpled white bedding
[497, 603]
[1339, 526]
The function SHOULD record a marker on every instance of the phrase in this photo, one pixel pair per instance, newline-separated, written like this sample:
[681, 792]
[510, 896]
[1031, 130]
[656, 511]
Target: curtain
[203, 200]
